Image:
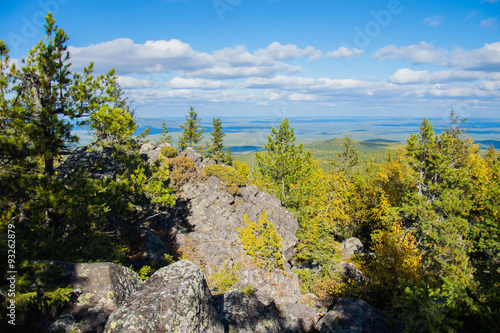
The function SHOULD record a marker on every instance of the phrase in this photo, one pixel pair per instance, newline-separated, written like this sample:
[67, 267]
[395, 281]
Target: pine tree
[215, 148]
[284, 164]
[165, 137]
[40, 105]
[191, 135]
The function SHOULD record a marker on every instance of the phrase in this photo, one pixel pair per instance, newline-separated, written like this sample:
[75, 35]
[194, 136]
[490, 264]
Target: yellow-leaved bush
[261, 242]
[396, 256]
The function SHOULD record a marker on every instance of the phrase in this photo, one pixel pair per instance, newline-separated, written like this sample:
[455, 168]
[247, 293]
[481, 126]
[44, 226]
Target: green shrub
[242, 168]
[168, 151]
[249, 290]
[224, 278]
[229, 176]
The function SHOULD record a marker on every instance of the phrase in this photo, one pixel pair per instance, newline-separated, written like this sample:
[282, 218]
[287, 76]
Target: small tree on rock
[215, 148]
[191, 134]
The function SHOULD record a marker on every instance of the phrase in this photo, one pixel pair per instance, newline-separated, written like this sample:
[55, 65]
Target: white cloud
[129, 57]
[127, 82]
[490, 22]
[303, 97]
[486, 58]
[173, 55]
[422, 53]
[193, 83]
[434, 21]
[344, 52]
[164, 72]
[286, 52]
[408, 76]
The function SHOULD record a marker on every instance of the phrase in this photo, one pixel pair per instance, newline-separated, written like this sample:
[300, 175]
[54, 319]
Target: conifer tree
[191, 134]
[349, 157]
[40, 105]
[215, 148]
[228, 157]
[165, 137]
[284, 164]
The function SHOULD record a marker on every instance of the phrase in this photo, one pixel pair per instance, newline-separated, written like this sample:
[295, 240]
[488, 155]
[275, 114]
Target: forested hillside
[426, 210]
[428, 214]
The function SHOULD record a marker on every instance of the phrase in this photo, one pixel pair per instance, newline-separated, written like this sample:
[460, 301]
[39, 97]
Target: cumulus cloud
[196, 83]
[278, 51]
[434, 21]
[486, 58]
[150, 57]
[173, 55]
[344, 52]
[160, 72]
[132, 82]
[408, 76]
[423, 53]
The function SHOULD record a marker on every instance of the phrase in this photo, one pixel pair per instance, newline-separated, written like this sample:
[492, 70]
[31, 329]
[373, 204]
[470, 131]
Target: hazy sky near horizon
[281, 58]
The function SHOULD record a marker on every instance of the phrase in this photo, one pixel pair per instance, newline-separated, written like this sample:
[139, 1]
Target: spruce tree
[284, 164]
[215, 148]
[191, 134]
[165, 137]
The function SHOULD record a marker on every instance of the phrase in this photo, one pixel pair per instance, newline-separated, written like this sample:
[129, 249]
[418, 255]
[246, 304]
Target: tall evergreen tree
[284, 164]
[191, 134]
[215, 148]
[349, 158]
[39, 107]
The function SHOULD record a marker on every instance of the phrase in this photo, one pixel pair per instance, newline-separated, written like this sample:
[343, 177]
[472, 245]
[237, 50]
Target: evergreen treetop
[191, 134]
[165, 137]
[215, 148]
[284, 163]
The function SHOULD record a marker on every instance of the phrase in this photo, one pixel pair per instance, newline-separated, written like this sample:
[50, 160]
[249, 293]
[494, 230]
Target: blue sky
[282, 57]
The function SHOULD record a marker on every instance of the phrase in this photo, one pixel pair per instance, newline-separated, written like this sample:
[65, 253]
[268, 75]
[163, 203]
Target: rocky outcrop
[354, 315]
[197, 158]
[350, 247]
[100, 288]
[175, 298]
[99, 163]
[150, 151]
[351, 272]
[242, 313]
[213, 216]
[298, 318]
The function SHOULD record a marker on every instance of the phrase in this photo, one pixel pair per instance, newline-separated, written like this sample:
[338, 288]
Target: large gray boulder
[197, 158]
[150, 151]
[175, 298]
[354, 315]
[246, 314]
[298, 318]
[350, 247]
[100, 288]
